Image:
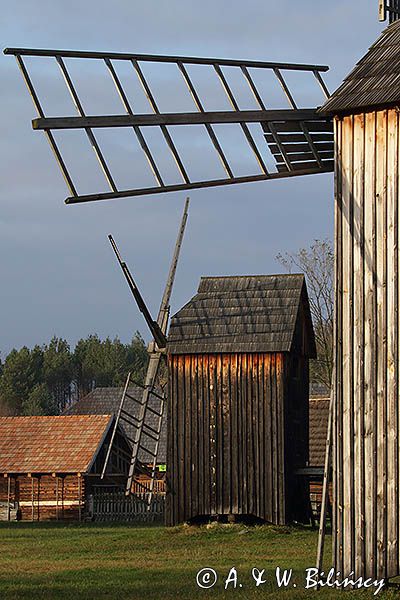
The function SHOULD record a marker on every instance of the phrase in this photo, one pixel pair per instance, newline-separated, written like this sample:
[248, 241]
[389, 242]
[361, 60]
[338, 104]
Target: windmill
[297, 141]
[147, 423]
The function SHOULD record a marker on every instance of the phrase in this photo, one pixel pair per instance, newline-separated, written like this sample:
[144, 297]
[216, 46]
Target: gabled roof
[66, 444]
[318, 427]
[107, 400]
[375, 81]
[256, 313]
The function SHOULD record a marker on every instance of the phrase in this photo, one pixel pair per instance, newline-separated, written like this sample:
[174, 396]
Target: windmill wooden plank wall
[366, 419]
[238, 400]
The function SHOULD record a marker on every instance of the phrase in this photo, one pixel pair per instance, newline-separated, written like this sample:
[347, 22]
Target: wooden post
[38, 498]
[55, 475]
[62, 497]
[325, 487]
[8, 496]
[33, 495]
[80, 495]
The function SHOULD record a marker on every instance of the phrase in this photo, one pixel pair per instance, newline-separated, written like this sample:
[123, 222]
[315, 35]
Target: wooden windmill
[363, 116]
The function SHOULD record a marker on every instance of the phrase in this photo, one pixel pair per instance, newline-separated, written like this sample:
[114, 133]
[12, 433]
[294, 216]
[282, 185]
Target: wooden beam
[190, 118]
[312, 170]
[195, 60]
[80, 496]
[33, 498]
[57, 498]
[8, 497]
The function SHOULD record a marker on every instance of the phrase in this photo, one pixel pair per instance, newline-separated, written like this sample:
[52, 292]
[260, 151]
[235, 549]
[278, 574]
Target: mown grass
[92, 561]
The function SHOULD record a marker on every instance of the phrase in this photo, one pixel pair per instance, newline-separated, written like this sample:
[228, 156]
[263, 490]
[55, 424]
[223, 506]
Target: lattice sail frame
[300, 140]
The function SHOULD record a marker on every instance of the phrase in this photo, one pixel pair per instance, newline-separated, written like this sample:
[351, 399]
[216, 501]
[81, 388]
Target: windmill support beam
[190, 118]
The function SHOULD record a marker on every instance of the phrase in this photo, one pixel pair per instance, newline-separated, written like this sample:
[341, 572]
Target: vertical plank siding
[227, 432]
[366, 424]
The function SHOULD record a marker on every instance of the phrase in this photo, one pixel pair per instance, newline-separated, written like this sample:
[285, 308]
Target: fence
[141, 485]
[116, 506]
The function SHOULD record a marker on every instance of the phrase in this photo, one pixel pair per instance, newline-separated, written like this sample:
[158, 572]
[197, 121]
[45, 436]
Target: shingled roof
[257, 313]
[375, 81]
[107, 400]
[318, 424]
[66, 444]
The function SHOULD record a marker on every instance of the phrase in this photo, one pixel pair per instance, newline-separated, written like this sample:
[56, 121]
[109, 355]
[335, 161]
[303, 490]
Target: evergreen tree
[42, 380]
[58, 371]
[22, 371]
[39, 402]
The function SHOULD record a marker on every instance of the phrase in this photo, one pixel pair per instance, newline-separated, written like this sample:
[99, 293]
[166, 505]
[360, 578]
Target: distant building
[49, 466]
[318, 427]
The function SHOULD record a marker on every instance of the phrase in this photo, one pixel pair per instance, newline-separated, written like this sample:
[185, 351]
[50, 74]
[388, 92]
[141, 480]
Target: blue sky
[58, 275]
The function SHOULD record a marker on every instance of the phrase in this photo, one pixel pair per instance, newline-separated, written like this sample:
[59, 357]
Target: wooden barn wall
[366, 420]
[46, 497]
[296, 425]
[226, 436]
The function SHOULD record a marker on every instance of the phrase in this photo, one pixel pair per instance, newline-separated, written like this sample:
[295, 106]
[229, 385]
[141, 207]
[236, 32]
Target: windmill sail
[277, 143]
[146, 424]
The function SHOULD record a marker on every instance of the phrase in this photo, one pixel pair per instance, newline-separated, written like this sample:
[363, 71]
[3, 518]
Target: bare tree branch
[317, 263]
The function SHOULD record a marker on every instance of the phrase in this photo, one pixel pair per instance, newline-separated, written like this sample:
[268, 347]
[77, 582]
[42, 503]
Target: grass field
[55, 561]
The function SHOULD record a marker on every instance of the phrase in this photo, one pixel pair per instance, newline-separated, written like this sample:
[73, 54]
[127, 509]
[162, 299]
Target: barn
[49, 466]
[238, 356]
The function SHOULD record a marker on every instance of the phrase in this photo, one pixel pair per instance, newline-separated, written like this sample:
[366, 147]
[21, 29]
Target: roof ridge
[251, 276]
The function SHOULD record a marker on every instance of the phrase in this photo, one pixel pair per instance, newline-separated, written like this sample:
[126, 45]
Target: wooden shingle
[242, 314]
[375, 81]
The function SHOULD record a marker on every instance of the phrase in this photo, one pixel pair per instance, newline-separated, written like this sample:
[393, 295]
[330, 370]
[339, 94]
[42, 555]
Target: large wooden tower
[366, 455]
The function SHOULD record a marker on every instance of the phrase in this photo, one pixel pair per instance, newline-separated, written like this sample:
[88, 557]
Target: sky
[58, 275]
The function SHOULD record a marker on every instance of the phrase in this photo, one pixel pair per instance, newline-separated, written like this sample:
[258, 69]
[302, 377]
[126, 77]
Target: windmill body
[366, 450]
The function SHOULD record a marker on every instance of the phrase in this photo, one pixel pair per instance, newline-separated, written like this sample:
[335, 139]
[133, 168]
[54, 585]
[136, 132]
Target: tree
[40, 402]
[43, 380]
[106, 363]
[86, 364]
[317, 263]
[58, 371]
[138, 358]
[22, 371]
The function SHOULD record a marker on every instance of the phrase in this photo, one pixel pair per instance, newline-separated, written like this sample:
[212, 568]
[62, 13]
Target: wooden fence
[116, 506]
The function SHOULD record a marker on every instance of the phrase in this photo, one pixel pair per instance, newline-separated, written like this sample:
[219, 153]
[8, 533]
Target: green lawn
[121, 562]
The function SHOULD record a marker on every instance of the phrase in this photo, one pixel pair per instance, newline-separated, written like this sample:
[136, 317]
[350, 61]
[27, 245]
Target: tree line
[45, 379]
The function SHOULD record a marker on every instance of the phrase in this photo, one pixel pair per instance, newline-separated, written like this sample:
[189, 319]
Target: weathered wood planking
[229, 417]
[366, 428]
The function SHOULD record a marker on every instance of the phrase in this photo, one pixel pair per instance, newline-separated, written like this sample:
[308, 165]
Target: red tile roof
[66, 444]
